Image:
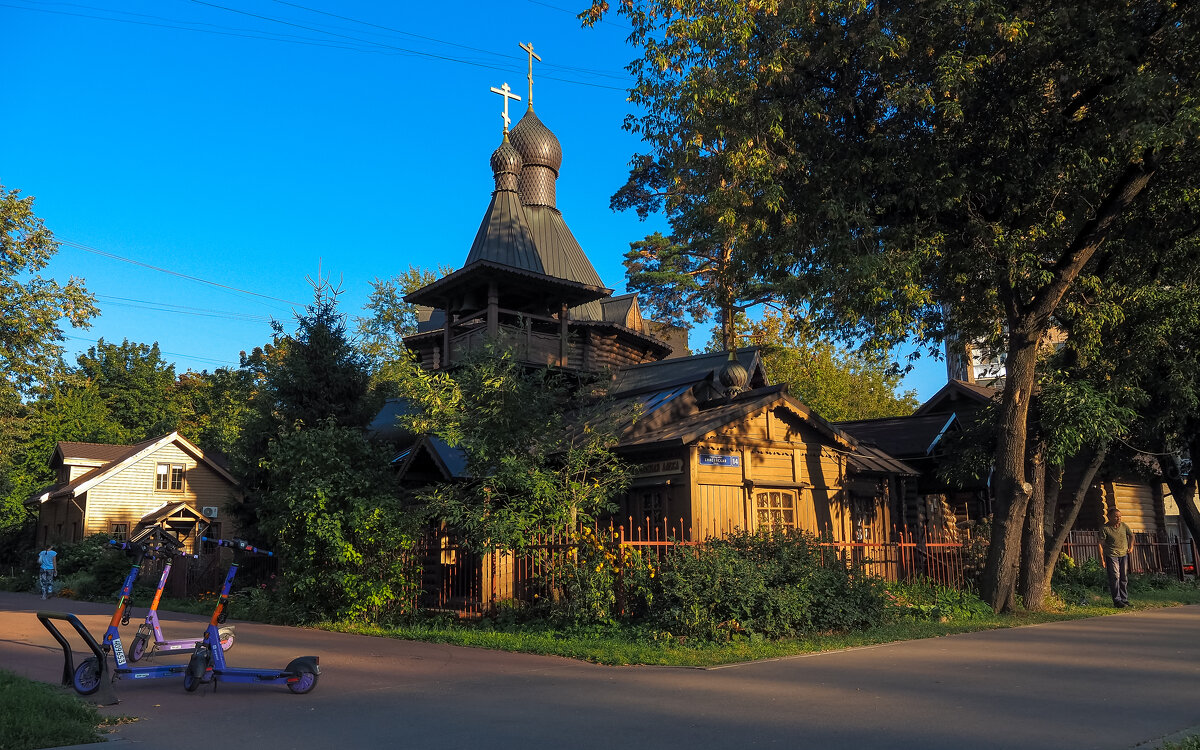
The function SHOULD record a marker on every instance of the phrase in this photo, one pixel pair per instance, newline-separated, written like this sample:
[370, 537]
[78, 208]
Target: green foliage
[683, 279]
[592, 577]
[929, 600]
[332, 512]
[381, 333]
[838, 384]
[538, 448]
[134, 383]
[925, 170]
[30, 348]
[769, 585]
[84, 554]
[301, 380]
[213, 407]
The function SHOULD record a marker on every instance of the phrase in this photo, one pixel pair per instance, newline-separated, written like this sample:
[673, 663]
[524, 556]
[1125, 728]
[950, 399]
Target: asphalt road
[1107, 682]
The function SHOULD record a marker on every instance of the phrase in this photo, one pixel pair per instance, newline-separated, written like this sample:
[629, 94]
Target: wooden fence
[1152, 553]
[455, 579]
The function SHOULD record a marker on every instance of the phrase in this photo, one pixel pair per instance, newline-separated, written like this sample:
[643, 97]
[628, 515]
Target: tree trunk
[1186, 492]
[1054, 545]
[1012, 489]
[1033, 541]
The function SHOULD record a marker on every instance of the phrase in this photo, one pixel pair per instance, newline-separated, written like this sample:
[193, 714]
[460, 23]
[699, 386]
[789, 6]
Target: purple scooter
[149, 639]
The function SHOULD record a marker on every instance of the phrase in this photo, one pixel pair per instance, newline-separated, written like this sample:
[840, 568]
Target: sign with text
[720, 459]
[658, 468]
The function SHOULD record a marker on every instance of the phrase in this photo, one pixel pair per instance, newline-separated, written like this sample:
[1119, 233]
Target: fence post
[620, 582]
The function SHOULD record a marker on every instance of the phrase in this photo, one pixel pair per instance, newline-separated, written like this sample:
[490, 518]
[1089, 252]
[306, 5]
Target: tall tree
[213, 407]
[539, 450]
[135, 383]
[884, 160]
[30, 336]
[839, 384]
[381, 332]
[685, 282]
[311, 377]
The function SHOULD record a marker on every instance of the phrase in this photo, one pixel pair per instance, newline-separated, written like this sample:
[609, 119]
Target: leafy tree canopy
[135, 383]
[539, 455]
[883, 161]
[30, 336]
[389, 318]
[839, 384]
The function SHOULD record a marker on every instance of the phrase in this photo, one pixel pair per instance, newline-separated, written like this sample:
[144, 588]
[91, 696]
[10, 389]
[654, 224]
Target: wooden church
[716, 449]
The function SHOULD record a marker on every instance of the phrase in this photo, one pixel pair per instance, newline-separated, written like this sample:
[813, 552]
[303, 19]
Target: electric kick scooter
[208, 660]
[86, 679]
[149, 640]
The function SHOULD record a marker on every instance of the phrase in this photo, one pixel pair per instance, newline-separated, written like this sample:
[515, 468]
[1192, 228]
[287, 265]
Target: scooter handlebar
[238, 544]
[150, 552]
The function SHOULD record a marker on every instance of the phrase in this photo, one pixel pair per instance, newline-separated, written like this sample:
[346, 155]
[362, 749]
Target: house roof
[503, 236]
[869, 459]
[907, 437]
[450, 462]
[713, 416]
[952, 393]
[102, 452]
[130, 455]
[669, 373]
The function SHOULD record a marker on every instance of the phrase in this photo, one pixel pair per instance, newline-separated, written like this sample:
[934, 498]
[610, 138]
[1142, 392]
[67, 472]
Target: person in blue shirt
[48, 564]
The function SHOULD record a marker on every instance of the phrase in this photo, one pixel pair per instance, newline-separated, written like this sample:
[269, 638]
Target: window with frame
[776, 509]
[169, 477]
[119, 531]
[654, 507]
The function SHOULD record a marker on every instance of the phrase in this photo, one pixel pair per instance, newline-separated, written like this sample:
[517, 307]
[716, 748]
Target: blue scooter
[207, 664]
[86, 678]
[150, 641]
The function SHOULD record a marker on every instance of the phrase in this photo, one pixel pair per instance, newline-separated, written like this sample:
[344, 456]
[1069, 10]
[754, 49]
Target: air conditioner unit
[209, 511]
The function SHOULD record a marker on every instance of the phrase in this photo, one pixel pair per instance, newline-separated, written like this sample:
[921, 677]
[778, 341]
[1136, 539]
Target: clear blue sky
[251, 142]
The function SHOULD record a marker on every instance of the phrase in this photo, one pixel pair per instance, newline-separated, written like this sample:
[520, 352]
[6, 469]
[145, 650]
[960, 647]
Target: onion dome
[542, 156]
[506, 165]
[733, 376]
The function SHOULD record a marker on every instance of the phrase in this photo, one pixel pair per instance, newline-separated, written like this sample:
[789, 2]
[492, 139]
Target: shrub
[84, 555]
[769, 585]
[925, 599]
[593, 575]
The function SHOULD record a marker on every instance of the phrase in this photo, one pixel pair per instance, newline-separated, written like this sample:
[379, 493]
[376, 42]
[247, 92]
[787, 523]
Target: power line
[392, 47]
[210, 360]
[286, 38]
[183, 309]
[377, 47]
[454, 44]
[114, 256]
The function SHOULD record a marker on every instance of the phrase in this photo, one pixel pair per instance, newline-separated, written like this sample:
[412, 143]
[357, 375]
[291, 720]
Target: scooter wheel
[86, 679]
[226, 636]
[305, 679]
[137, 649]
[196, 669]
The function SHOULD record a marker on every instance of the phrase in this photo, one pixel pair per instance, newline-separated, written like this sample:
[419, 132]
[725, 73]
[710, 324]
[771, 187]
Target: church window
[776, 509]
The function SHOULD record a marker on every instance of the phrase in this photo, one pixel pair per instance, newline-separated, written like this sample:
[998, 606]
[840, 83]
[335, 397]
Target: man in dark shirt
[1116, 541]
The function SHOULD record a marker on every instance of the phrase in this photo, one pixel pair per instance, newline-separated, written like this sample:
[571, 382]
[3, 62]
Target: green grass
[626, 645]
[1188, 743]
[37, 715]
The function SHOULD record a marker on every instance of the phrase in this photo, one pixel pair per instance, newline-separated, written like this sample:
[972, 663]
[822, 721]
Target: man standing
[48, 563]
[1116, 541]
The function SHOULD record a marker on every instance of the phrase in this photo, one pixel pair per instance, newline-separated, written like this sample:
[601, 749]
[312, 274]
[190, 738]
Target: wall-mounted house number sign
[720, 459]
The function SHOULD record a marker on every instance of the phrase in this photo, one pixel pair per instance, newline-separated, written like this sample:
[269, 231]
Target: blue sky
[252, 142]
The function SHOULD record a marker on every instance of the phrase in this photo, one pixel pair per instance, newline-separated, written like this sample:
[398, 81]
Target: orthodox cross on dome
[507, 93]
[528, 47]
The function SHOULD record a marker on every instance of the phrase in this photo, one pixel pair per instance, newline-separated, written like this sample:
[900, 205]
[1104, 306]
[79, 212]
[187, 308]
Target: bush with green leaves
[602, 582]
[770, 585]
[332, 512]
[926, 599]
